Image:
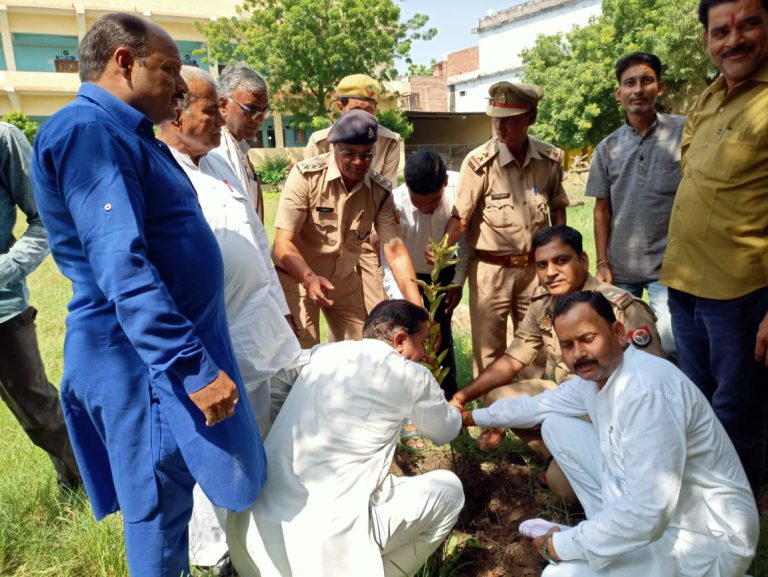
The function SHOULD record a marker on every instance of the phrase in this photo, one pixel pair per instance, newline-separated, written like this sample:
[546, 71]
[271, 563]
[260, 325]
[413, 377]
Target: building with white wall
[503, 35]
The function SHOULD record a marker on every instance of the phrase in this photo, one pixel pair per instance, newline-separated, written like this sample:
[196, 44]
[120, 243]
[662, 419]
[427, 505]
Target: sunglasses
[252, 111]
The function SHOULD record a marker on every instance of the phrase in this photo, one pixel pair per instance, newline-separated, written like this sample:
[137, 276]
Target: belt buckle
[518, 261]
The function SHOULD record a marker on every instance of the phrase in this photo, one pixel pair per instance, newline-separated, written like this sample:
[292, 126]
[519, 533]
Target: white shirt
[263, 340]
[329, 453]
[667, 465]
[418, 227]
[235, 154]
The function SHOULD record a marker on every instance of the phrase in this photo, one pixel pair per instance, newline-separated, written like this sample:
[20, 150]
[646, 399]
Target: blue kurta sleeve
[100, 180]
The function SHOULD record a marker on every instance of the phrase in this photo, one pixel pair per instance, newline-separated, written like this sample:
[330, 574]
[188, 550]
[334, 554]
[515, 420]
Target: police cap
[508, 99]
[354, 127]
[358, 86]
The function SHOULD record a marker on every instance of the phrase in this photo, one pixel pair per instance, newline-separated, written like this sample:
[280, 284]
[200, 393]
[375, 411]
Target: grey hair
[194, 74]
[237, 75]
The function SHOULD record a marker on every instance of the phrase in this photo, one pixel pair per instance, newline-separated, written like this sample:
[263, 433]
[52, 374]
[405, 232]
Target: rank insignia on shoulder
[641, 336]
[545, 323]
[380, 180]
[478, 160]
[312, 165]
[556, 154]
[619, 298]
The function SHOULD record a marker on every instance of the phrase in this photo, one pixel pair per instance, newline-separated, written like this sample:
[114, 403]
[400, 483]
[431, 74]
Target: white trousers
[412, 519]
[207, 528]
[574, 444]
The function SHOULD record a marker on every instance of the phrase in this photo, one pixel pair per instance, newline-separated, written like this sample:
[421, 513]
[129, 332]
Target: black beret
[354, 127]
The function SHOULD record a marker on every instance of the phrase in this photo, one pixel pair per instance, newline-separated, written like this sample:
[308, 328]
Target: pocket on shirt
[325, 227]
[499, 214]
[736, 153]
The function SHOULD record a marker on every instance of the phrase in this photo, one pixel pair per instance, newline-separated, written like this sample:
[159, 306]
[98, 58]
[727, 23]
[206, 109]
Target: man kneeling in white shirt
[330, 507]
[662, 487]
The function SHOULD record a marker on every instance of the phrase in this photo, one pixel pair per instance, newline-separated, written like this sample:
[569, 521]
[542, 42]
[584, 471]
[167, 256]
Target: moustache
[581, 363]
[740, 49]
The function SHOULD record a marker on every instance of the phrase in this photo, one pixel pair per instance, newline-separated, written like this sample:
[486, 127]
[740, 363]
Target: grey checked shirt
[640, 176]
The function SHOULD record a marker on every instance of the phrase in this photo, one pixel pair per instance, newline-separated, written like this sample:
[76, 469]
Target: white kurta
[234, 154]
[670, 475]
[328, 455]
[263, 341]
[418, 227]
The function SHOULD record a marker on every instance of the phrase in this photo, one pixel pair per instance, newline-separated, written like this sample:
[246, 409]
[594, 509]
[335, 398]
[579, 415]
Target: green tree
[396, 121]
[304, 47]
[576, 69]
[23, 123]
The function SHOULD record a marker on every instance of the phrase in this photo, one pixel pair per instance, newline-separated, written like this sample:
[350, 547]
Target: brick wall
[463, 61]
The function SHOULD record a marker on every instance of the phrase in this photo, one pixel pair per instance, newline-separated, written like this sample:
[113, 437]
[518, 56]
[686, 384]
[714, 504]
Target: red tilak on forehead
[733, 20]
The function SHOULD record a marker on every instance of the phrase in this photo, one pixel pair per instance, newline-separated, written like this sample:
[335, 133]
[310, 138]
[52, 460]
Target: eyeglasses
[364, 156]
[252, 111]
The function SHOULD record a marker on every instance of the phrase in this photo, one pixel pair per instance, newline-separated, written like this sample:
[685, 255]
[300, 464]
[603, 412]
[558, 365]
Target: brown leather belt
[509, 261]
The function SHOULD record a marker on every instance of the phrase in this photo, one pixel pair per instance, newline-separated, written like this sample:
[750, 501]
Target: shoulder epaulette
[385, 132]
[619, 298]
[539, 292]
[313, 164]
[380, 180]
[548, 150]
[479, 157]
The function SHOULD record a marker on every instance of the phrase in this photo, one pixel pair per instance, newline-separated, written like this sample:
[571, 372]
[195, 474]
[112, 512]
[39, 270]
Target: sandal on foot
[411, 438]
[490, 439]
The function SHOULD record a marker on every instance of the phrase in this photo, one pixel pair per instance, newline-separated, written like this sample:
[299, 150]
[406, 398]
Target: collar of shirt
[506, 156]
[651, 129]
[334, 173]
[124, 113]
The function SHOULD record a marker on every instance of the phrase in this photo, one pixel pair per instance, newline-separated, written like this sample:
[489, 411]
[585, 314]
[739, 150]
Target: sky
[454, 19]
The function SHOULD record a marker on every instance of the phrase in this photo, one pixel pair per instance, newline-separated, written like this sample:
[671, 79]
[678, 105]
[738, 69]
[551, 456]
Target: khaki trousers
[345, 317]
[496, 293]
[371, 277]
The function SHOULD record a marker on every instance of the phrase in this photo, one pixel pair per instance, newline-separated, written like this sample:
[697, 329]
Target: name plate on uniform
[501, 196]
[324, 209]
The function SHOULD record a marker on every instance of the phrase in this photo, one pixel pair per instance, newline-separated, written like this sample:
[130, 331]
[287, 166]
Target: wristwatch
[543, 551]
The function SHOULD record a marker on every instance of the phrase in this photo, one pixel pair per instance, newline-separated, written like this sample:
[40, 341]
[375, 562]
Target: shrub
[273, 170]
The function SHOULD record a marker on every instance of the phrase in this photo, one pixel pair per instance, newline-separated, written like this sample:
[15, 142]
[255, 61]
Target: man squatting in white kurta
[330, 507]
[661, 484]
[267, 350]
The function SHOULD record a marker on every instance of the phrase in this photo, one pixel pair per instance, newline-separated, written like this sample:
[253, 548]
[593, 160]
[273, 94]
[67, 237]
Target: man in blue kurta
[150, 383]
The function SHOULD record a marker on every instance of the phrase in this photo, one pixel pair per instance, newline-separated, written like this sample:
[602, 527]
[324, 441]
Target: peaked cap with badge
[358, 86]
[510, 99]
[354, 127]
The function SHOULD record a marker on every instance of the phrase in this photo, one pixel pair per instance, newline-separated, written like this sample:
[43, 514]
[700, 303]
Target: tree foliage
[396, 121]
[304, 47]
[576, 69]
[23, 123]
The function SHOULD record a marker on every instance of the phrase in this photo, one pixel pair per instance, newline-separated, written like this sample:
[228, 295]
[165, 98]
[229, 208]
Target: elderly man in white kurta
[267, 350]
[662, 487]
[330, 507]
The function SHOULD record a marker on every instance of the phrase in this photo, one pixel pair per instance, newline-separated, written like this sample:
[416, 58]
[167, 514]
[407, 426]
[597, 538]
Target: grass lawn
[39, 536]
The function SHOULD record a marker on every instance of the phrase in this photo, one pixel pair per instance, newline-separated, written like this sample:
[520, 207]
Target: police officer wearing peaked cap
[327, 209]
[509, 189]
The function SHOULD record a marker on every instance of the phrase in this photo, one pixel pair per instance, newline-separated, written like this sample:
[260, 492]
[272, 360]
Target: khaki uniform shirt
[330, 222]
[387, 151]
[505, 203]
[718, 233]
[537, 328]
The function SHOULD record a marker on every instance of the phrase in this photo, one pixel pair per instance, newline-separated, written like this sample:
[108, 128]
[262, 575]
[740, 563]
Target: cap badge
[502, 99]
[370, 133]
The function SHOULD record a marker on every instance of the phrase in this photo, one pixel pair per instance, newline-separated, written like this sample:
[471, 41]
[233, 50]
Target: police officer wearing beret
[361, 92]
[327, 210]
[509, 188]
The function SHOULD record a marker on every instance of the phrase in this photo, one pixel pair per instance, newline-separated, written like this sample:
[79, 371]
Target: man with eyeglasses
[328, 208]
[244, 103]
[361, 92]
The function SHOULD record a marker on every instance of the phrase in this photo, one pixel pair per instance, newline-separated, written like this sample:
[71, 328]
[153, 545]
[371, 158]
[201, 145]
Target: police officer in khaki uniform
[360, 91]
[562, 267]
[509, 188]
[327, 209]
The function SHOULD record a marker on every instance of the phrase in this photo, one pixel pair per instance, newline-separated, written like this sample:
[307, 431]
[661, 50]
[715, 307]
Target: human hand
[603, 272]
[452, 299]
[217, 399]
[761, 341]
[539, 541]
[316, 287]
[429, 254]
